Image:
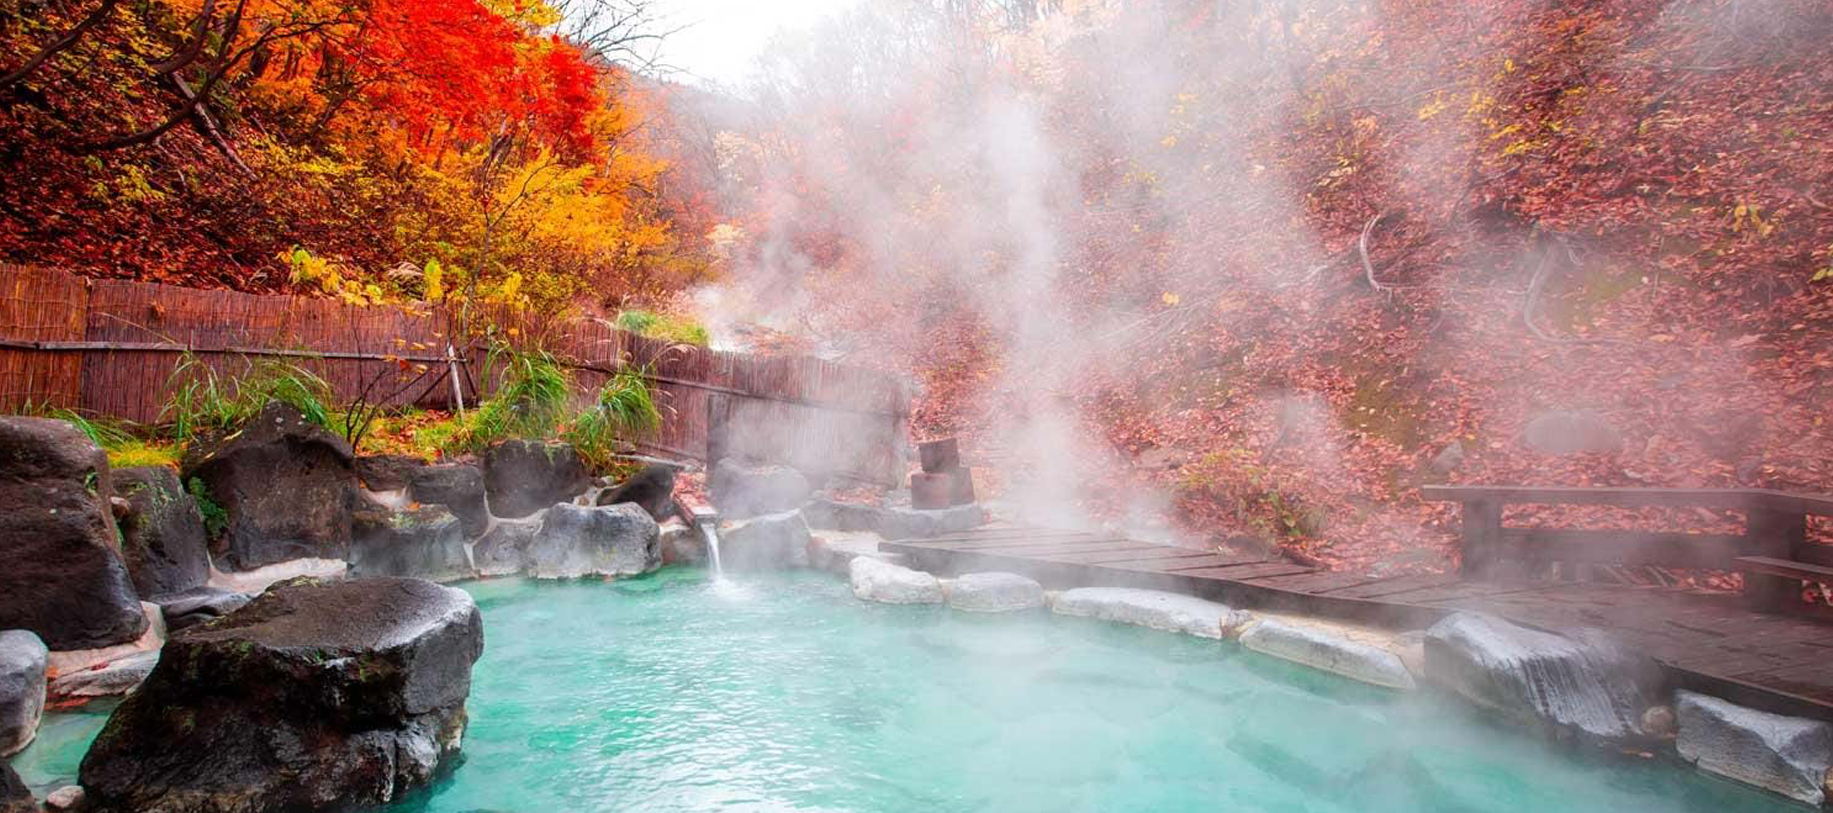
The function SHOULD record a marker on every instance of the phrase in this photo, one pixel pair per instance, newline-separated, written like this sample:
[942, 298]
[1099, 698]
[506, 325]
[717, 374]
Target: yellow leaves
[1506, 131]
[1508, 65]
[1434, 107]
[434, 278]
[509, 292]
[1168, 141]
[1170, 299]
[1749, 217]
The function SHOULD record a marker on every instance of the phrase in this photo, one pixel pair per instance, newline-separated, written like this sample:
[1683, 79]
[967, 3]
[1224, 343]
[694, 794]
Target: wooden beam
[1736, 499]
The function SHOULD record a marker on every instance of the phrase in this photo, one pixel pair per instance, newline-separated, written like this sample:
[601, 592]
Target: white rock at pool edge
[995, 593]
[1156, 609]
[1786, 755]
[875, 580]
[1320, 649]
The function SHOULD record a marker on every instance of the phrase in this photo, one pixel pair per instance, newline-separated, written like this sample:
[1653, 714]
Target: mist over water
[1320, 239]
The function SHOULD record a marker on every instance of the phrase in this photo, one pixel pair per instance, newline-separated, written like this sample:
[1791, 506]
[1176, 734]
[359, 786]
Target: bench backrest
[1775, 526]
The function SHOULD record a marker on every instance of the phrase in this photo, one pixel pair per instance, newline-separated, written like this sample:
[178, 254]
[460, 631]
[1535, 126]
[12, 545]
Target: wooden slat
[1174, 554]
[1054, 549]
[1075, 543]
[1157, 561]
[1239, 571]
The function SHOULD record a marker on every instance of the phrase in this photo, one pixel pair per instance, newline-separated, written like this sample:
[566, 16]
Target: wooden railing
[1773, 552]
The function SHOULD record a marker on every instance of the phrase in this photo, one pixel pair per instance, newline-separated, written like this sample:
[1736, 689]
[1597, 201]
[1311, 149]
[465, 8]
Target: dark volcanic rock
[15, 797]
[610, 540]
[61, 573]
[741, 491]
[197, 605]
[653, 488]
[387, 472]
[426, 542]
[525, 476]
[1583, 684]
[769, 542]
[316, 696]
[22, 689]
[458, 487]
[162, 537]
[284, 483]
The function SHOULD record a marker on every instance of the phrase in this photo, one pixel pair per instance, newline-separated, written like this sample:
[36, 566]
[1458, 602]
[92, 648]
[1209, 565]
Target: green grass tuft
[663, 326]
[624, 407]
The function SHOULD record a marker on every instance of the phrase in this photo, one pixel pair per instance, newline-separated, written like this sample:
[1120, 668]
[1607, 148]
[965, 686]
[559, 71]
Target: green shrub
[531, 400]
[216, 520]
[624, 407]
[203, 399]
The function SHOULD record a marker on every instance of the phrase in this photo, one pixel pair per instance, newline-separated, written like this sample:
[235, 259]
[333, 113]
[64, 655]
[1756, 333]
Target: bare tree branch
[55, 46]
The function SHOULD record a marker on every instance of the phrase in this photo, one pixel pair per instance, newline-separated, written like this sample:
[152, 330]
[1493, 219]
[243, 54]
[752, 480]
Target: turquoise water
[784, 693]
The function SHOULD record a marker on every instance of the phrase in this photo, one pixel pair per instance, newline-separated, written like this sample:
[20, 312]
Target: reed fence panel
[108, 347]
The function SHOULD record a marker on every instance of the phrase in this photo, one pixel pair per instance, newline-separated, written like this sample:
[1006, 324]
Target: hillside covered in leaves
[1288, 261]
[340, 147]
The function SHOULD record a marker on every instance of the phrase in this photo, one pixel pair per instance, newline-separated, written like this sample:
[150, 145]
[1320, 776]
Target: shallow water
[774, 692]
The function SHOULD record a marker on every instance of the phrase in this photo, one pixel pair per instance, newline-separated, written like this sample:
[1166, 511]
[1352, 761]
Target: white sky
[724, 37]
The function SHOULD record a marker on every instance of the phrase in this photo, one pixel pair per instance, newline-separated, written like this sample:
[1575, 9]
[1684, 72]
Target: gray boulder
[769, 542]
[315, 697]
[503, 550]
[162, 536]
[458, 487]
[893, 522]
[1785, 755]
[15, 797]
[886, 583]
[1571, 432]
[994, 593]
[284, 483]
[1321, 649]
[609, 540]
[22, 689]
[63, 576]
[525, 476]
[1170, 612]
[1583, 684]
[199, 604]
[425, 542]
[741, 491]
[386, 472]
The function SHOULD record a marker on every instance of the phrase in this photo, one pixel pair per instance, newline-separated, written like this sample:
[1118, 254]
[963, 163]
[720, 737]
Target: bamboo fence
[109, 347]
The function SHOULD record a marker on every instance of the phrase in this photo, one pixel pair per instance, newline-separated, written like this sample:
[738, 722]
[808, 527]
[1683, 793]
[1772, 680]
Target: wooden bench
[1772, 552]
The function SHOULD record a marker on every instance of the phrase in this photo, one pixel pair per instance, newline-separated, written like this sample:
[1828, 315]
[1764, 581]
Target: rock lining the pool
[1329, 650]
[886, 583]
[1172, 612]
[316, 696]
[993, 593]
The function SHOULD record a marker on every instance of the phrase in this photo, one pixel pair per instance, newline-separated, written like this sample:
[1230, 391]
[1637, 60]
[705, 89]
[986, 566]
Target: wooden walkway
[1706, 642]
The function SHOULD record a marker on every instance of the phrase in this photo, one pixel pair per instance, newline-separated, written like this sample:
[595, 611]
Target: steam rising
[1105, 185]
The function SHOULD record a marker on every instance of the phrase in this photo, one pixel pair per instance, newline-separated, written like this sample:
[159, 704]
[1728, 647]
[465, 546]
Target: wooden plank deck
[1708, 642]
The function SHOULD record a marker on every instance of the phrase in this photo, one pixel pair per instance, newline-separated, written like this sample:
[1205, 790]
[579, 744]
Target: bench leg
[1779, 535]
[1481, 538]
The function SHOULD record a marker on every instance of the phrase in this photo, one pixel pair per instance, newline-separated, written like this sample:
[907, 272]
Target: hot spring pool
[783, 692]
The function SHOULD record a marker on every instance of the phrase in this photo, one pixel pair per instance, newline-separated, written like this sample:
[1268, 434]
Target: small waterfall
[712, 549]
